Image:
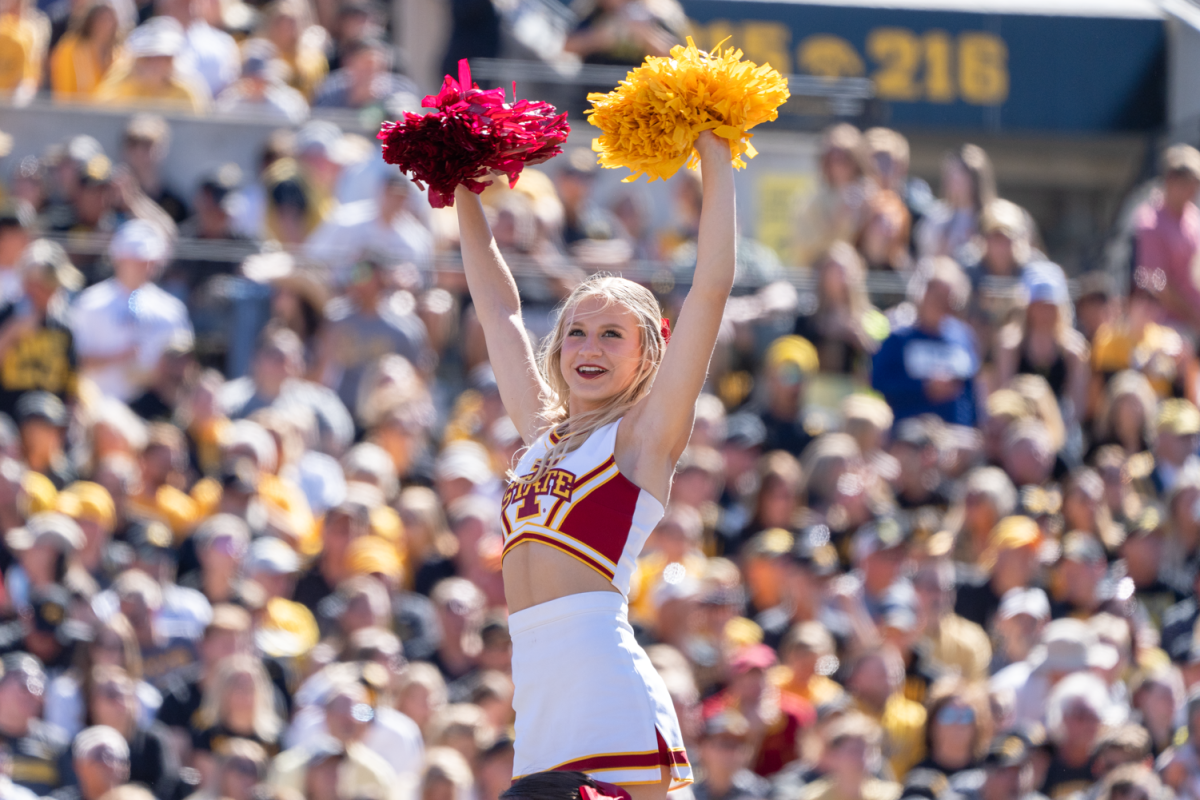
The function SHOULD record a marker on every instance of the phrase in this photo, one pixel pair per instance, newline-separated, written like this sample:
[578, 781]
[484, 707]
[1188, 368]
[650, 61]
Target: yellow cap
[371, 554]
[90, 501]
[1179, 417]
[287, 629]
[40, 494]
[1010, 533]
[792, 349]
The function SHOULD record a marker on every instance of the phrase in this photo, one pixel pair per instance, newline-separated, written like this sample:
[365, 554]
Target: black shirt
[41, 758]
[152, 761]
[41, 360]
[976, 600]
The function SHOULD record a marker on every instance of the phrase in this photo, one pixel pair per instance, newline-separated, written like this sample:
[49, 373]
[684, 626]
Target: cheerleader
[605, 413]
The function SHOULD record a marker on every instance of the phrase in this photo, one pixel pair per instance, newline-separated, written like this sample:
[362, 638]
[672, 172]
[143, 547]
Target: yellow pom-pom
[651, 120]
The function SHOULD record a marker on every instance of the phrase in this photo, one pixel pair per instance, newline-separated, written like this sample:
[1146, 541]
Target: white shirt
[211, 54]
[280, 101]
[392, 735]
[355, 229]
[108, 319]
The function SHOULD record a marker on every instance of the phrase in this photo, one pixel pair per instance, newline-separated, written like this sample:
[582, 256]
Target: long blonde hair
[571, 432]
[267, 725]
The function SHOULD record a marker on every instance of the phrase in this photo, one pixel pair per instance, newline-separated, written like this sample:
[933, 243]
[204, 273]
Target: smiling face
[601, 353]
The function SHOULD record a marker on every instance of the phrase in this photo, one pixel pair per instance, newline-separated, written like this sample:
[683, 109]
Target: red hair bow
[603, 791]
[664, 327]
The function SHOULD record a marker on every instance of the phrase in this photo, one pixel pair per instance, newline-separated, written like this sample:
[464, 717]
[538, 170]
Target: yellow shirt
[76, 69]
[903, 723]
[22, 45]
[126, 88]
[1154, 353]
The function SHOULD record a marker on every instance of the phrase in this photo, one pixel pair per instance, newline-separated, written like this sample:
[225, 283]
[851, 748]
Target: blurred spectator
[151, 759]
[844, 327]
[852, 754]
[37, 351]
[365, 79]
[84, 55]
[145, 145]
[930, 366]
[623, 32]
[1046, 342]
[151, 76]
[40, 758]
[372, 320]
[890, 152]
[968, 187]
[371, 229]
[726, 755]
[17, 221]
[208, 52]
[129, 321]
[287, 24]
[1168, 237]
[260, 90]
[101, 762]
[838, 209]
[23, 49]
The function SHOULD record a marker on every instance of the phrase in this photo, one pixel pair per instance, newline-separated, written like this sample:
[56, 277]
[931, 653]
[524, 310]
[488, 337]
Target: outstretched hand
[711, 146]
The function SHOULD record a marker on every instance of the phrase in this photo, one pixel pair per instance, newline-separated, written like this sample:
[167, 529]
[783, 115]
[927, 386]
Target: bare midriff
[536, 573]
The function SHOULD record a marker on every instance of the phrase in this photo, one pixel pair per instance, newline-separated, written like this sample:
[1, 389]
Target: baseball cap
[41, 405]
[755, 656]
[369, 555]
[1007, 750]
[138, 240]
[1032, 602]
[1082, 547]
[1178, 417]
[47, 260]
[877, 535]
[1010, 533]
[1045, 282]
[90, 501]
[47, 527]
[157, 36]
[770, 543]
[151, 539]
[792, 349]
[322, 138]
[272, 555]
[1181, 159]
[727, 723]
[745, 430]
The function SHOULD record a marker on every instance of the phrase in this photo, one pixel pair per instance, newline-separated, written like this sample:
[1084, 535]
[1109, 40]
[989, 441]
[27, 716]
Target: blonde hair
[266, 721]
[574, 431]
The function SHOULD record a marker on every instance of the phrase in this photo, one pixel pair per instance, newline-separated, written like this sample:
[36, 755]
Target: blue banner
[962, 70]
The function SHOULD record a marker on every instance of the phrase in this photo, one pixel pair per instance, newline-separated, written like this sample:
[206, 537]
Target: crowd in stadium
[252, 454]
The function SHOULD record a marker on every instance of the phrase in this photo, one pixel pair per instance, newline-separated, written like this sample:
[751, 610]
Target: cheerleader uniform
[587, 698]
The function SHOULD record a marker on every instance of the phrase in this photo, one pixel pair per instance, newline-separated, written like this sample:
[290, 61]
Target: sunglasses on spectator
[956, 715]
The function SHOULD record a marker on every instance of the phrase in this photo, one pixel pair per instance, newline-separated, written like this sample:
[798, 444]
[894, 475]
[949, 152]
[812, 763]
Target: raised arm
[494, 293]
[664, 420]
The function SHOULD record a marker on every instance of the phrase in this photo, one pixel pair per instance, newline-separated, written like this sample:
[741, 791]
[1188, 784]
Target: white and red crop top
[583, 506]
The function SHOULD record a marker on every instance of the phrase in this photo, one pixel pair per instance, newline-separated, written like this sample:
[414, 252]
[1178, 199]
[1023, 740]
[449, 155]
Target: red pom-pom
[472, 134]
[664, 327]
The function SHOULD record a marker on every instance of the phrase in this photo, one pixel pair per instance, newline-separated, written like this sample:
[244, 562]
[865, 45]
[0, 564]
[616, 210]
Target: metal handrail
[848, 96]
